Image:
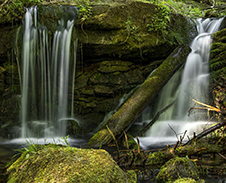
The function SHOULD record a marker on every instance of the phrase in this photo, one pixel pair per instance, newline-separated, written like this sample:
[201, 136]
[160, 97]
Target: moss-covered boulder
[177, 168]
[188, 180]
[135, 31]
[68, 164]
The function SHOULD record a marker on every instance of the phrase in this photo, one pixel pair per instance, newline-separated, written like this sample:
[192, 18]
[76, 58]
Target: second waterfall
[191, 82]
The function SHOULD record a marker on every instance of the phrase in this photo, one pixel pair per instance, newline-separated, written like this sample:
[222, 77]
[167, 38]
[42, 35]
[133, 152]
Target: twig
[173, 131]
[208, 107]
[126, 37]
[188, 137]
[84, 31]
[201, 149]
[154, 119]
[126, 139]
[207, 131]
[176, 145]
[183, 136]
[138, 145]
[221, 155]
[4, 3]
[220, 140]
[117, 147]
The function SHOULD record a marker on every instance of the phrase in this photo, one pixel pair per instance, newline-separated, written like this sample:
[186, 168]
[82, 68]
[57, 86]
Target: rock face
[117, 50]
[177, 168]
[67, 164]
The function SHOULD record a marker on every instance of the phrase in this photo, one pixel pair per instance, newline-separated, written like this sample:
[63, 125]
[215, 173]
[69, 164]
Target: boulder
[67, 164]
[177, 168]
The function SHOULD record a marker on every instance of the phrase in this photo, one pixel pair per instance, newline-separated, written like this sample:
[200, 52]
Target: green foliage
[130, 26]
[190, 9]
[131, 143]
[13, 10]
[160, 21]
[84, 10]
[31, 146]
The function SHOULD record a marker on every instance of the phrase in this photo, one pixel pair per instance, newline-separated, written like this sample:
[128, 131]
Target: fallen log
[206, 132]
[141, 97]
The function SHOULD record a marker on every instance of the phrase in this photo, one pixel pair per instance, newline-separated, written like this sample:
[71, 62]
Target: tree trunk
[141, 97]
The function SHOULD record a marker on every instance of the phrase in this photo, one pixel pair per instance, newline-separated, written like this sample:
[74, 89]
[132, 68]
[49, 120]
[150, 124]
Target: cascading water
[47, 78]
[193, 85]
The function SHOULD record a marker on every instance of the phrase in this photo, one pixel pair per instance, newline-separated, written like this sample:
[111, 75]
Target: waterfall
[47, 77]
[187, 84]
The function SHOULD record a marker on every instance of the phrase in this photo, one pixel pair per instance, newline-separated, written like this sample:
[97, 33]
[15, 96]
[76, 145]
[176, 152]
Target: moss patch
[67, 164]
[177, 168]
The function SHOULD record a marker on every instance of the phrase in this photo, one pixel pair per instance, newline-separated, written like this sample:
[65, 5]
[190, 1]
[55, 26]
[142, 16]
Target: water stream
[190, 82]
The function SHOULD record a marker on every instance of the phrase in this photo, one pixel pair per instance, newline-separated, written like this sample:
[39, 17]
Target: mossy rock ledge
[68, 164]
[178, 168]
[217, 55]
[121, 31]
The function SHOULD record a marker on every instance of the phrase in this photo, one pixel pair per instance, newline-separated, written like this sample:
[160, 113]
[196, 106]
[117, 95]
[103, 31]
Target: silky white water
[189, 83]
[48, 74]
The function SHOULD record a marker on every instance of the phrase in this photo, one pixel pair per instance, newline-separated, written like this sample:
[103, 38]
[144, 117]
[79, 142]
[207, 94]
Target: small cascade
[47, 77]
[187, 84]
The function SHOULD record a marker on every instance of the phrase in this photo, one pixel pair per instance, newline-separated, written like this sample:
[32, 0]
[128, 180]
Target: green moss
[158, 158]
[67, 164]
[177, 168]
[101, 136]
[13, 10]
[188, 180]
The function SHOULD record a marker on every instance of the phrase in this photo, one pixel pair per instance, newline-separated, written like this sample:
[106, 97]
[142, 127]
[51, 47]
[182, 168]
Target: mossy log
[141, 97]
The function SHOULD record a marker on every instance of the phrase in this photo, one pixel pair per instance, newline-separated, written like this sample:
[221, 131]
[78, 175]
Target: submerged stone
[67, 164]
